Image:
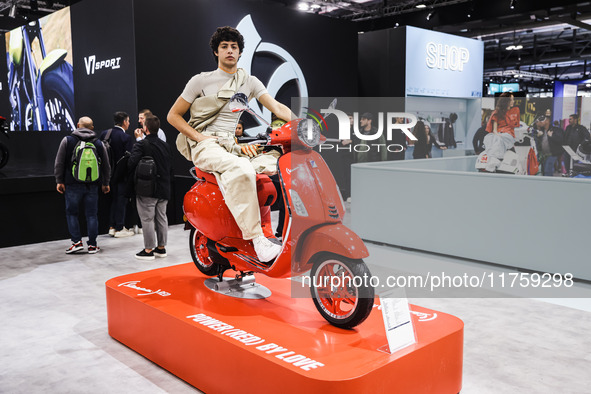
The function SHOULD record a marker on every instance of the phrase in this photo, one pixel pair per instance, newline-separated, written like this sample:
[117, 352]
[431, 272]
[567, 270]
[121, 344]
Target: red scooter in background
[313, 234]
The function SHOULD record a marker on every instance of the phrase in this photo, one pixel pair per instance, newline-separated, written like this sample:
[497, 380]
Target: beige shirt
[209, 83]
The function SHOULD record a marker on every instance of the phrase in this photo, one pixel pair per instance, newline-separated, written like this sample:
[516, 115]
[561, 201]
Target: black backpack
[109, 149]
[146, 174]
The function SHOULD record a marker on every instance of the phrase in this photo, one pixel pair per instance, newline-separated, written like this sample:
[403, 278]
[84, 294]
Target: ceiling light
[303, 6]
[512, 4]
[12, 12]
[315, 6]
[514, 47]
[430, 14]
[421, 5]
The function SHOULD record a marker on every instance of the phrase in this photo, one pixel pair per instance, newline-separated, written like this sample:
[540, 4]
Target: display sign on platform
[397, 321]
[443, 65]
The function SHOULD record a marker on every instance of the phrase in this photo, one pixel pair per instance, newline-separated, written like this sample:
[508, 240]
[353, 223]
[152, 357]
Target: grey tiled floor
[53, 330]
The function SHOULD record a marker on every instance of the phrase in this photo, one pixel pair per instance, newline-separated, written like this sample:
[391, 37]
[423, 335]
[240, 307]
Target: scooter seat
[267, 194]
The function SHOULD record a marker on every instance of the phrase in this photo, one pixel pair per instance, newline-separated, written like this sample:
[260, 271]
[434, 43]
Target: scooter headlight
[309, 132]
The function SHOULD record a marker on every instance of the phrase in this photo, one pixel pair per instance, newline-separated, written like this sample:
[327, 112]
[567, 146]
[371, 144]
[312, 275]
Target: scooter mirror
[238, 102]
[333, 104]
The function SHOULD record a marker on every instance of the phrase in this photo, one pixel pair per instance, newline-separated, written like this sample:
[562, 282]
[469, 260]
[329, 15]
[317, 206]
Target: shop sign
[446, 57]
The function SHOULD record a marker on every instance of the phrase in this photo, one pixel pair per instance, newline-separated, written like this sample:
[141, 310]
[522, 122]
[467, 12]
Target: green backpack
[85, 162]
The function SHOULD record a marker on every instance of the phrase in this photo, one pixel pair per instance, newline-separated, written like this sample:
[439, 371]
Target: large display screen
[443, 65]
[40, 74]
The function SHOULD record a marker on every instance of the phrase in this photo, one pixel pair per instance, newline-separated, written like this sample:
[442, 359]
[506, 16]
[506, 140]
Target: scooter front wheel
[341, 290]
[200, 253]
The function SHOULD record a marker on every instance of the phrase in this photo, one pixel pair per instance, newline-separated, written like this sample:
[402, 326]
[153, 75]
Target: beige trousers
[237, 177]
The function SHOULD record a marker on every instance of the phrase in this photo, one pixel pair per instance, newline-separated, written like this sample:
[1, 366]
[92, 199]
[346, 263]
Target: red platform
[279, 344]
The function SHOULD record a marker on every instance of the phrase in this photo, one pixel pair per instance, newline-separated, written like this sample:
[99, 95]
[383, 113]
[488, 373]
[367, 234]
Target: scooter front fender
[332, 238]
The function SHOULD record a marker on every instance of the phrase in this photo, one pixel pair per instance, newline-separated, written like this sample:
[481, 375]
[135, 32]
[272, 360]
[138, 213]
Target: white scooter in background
[500, 158]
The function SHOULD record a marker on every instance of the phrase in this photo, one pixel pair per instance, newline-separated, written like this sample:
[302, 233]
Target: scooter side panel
[206, 210]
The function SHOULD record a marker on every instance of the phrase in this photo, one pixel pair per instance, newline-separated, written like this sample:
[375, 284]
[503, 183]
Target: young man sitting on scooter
[208, 138]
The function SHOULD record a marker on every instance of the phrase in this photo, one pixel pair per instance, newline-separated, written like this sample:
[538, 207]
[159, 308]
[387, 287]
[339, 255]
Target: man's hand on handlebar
[250, 150]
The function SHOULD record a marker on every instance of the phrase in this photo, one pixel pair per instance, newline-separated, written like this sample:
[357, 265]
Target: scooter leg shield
[266, 221]
[332, 238]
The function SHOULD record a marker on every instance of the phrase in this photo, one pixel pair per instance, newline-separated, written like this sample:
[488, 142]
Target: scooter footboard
[332, 238]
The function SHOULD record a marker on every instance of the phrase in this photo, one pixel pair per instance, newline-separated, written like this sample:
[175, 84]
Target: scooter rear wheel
[200, 253]
[341, 291]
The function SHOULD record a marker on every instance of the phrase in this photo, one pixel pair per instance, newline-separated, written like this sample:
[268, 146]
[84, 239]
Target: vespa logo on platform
[133, 285]
[390, 126]
[92, 64]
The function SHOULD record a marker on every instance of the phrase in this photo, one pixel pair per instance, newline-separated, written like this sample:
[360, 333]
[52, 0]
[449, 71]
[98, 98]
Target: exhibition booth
[438, 75]
[200, 320]
[503, 219]
[120, 63]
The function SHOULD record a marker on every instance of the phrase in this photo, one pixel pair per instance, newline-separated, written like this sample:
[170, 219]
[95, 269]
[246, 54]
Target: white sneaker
[124, 233]
[112, 231]
[265, 249]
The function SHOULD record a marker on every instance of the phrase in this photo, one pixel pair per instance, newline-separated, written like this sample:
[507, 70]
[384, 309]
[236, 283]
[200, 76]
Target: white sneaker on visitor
[265, 249]
[112, 231]
[124, 233]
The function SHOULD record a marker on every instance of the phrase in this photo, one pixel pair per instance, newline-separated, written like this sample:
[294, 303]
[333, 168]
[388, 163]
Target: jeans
[75, 194]
[549, 165]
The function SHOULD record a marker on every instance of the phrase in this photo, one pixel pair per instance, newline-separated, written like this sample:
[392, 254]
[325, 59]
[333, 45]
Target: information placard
[397, 321]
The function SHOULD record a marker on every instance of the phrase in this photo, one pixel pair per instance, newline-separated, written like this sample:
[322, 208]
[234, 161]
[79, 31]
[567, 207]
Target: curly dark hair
[225, 33]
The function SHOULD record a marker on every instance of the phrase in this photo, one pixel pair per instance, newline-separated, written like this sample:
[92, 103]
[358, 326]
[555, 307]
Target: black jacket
[478, 140]
[160, 152]
[120, 142]
[574, 135]
[422, 148]
[555, 141]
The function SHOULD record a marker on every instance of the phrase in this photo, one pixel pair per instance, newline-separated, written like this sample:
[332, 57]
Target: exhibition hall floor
[54, 327]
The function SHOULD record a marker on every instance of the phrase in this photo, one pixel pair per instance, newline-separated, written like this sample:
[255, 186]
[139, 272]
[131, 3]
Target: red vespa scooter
[313, 234]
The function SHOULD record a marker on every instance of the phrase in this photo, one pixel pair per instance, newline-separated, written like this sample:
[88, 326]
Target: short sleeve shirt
[506, 124]
[209, 83]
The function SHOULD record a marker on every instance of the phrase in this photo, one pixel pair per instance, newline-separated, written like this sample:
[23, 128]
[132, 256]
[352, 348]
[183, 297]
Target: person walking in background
[574, 135]
[152, 206]
[139, 132]
[550, 140]
[425, 141]
[398, 137]
[77, 191]
[447, 134]
[478, 140]
[370, 152]
[120, 143]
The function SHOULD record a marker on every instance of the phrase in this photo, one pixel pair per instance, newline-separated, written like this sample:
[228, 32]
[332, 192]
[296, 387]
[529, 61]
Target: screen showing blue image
[443, 65]
[40, 74]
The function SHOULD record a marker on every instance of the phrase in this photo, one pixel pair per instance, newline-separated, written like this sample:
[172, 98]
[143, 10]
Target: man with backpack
[81, 165]
[118, 142]
[150, 165]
